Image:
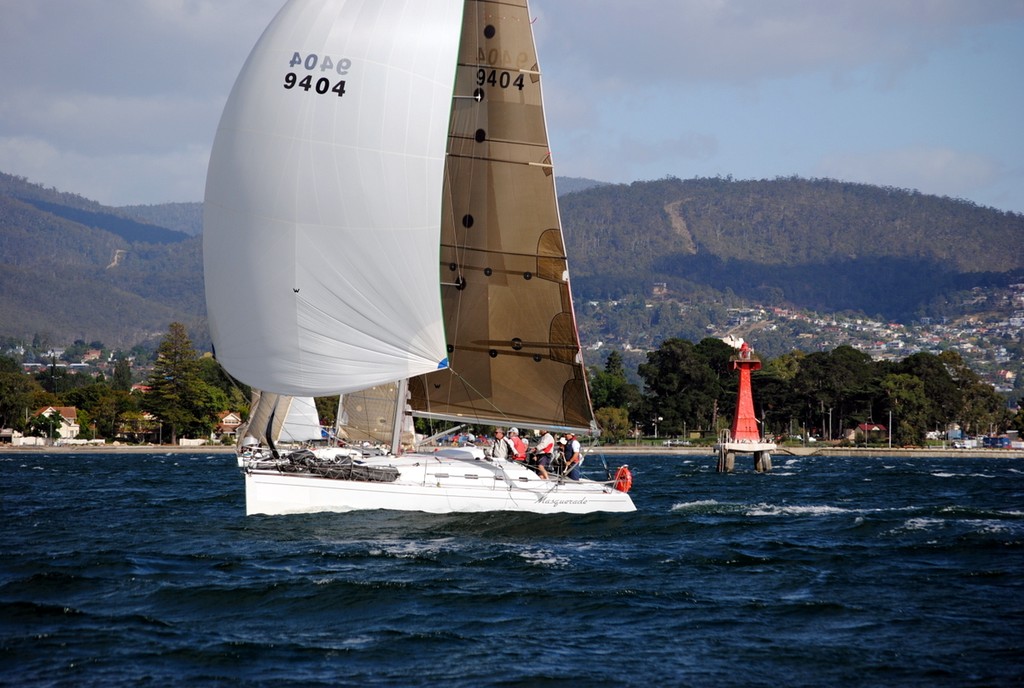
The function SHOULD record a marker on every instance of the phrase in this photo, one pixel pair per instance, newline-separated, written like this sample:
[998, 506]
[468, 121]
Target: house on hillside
[868, 432]
[227, 426]
[68, 427]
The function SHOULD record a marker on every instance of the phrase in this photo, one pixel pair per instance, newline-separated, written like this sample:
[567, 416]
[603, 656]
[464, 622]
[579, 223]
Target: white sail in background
[302, 424]
[275, 419]
[323, 197]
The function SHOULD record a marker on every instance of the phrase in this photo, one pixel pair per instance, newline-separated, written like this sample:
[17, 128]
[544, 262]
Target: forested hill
[819, 244]
[132, 227]
[71, 268]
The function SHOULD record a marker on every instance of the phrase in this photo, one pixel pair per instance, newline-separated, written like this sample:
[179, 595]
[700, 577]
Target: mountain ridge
[74, 269]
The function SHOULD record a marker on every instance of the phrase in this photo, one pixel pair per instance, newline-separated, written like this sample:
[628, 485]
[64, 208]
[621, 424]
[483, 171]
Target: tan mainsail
[370, 414]
[513, 346]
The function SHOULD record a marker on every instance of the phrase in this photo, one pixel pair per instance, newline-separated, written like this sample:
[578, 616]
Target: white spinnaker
[322, 211]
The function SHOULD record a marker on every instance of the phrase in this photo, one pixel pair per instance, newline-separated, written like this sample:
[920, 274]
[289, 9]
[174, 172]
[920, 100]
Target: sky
[118, 100]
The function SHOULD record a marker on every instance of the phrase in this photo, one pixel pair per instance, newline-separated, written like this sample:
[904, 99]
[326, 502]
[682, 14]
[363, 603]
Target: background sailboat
[277, 421]
[388, 228]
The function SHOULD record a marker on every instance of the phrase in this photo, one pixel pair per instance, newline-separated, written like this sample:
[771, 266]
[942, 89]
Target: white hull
[448, 481]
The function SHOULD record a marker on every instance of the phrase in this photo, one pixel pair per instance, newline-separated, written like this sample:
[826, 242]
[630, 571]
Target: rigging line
[477, 395]
[499, 161]
[517, 254]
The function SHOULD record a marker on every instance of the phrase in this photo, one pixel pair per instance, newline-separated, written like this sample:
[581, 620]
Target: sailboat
[381, 223]
[277, 422]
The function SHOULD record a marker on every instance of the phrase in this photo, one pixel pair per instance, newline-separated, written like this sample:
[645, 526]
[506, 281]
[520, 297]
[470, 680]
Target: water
[133, 570]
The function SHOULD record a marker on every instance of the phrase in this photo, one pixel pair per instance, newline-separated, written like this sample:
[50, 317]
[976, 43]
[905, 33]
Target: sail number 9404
[498, 77]
[322, 85]
[324, 62]
[313, 63]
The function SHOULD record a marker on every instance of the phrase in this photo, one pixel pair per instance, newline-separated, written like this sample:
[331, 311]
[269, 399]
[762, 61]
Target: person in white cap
[519, 443]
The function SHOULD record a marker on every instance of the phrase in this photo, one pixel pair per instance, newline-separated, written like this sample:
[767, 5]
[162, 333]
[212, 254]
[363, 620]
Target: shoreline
[865, 452]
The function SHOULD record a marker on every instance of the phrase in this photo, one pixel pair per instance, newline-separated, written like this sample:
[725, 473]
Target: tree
[981, 410]
[614, 423]
[18, 393]
[122, 378]
[103, 405]
[46, 425]
[844, 380]
[908, 404]
[177, 395]
[611, 388]
[942, 394]
[235, 394]
[681, 388]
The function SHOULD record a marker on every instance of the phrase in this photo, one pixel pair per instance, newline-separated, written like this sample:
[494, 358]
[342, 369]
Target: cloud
[120, 102]
[739, 41]
[939, 171]
[113, 178]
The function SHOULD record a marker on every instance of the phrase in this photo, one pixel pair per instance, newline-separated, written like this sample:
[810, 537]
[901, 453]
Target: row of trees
[186, 394]
[692, 387]
[686, 388]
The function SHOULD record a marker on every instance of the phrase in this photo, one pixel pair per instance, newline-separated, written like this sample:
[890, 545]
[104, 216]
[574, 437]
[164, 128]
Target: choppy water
[122, 569]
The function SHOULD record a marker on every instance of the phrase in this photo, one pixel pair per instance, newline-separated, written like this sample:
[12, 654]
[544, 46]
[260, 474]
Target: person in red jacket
[518, 443]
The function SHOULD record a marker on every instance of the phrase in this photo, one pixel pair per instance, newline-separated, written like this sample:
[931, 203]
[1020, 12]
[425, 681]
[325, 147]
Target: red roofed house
[68, 429]
[227, 424]
[871, 432]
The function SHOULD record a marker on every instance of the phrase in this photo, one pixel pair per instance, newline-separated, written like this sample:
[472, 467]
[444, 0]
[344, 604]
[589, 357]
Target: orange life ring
[623, 479]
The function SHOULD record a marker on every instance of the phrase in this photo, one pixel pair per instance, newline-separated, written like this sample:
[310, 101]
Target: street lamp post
[655, 420]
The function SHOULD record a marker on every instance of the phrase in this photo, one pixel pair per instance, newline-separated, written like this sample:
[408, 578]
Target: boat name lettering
[496, 77]
[324, 62]
[556, 501]
[322, 85]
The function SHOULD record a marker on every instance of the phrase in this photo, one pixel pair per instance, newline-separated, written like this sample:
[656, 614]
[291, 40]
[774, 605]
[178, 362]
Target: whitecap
[699, 504]
[545, 557]
[922, 523]
[988, 526]
[795, 510]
